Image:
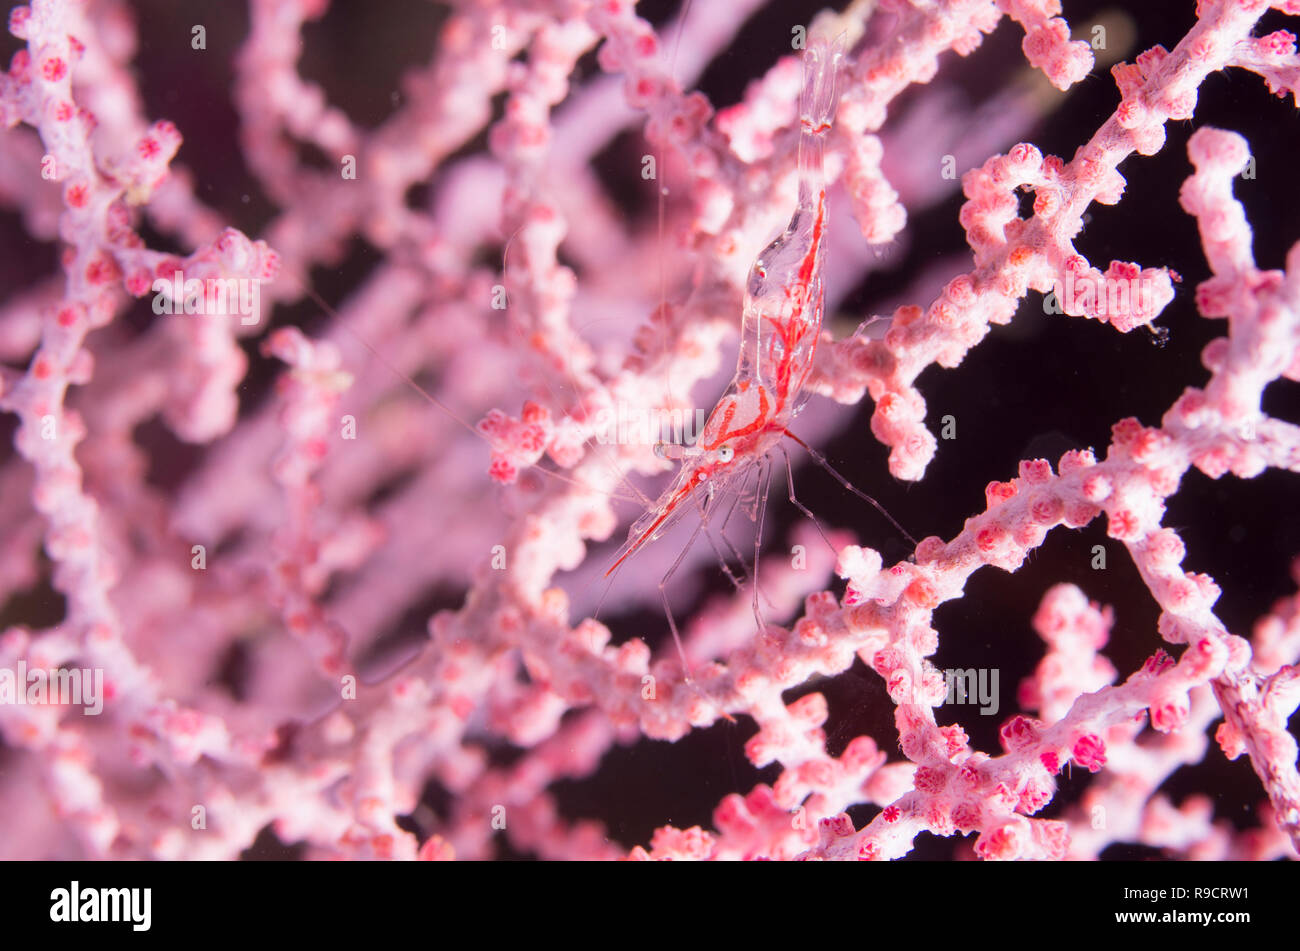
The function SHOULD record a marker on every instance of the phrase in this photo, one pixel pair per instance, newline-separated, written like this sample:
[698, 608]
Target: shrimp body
[781, 324]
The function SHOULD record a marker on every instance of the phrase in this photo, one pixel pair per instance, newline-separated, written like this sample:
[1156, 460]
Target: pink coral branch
[524, 296]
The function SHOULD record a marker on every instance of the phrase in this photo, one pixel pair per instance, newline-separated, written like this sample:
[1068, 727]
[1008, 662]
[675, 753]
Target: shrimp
[780, 328]
[781, 324]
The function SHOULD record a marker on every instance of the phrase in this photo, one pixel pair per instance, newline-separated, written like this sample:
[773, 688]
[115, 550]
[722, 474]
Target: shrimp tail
[817, 99]
[817, 106]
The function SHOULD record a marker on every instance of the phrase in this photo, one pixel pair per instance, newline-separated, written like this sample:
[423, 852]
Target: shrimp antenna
[409, 381]
[321, 303]
[505, 251]
[661, 192]
[637, 495]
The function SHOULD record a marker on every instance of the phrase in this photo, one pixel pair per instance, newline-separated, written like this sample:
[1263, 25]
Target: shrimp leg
[687, 671]
[821, 460]
[722, 559]
[807, 513]
[766, 480]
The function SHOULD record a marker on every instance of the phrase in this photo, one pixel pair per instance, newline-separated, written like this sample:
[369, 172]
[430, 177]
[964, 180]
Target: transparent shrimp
[781, 324]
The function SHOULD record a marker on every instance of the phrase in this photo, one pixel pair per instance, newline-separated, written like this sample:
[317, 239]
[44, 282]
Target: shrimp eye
[726, 454]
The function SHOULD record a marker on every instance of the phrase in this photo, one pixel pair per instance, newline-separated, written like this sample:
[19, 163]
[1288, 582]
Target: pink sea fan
[333, 371]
